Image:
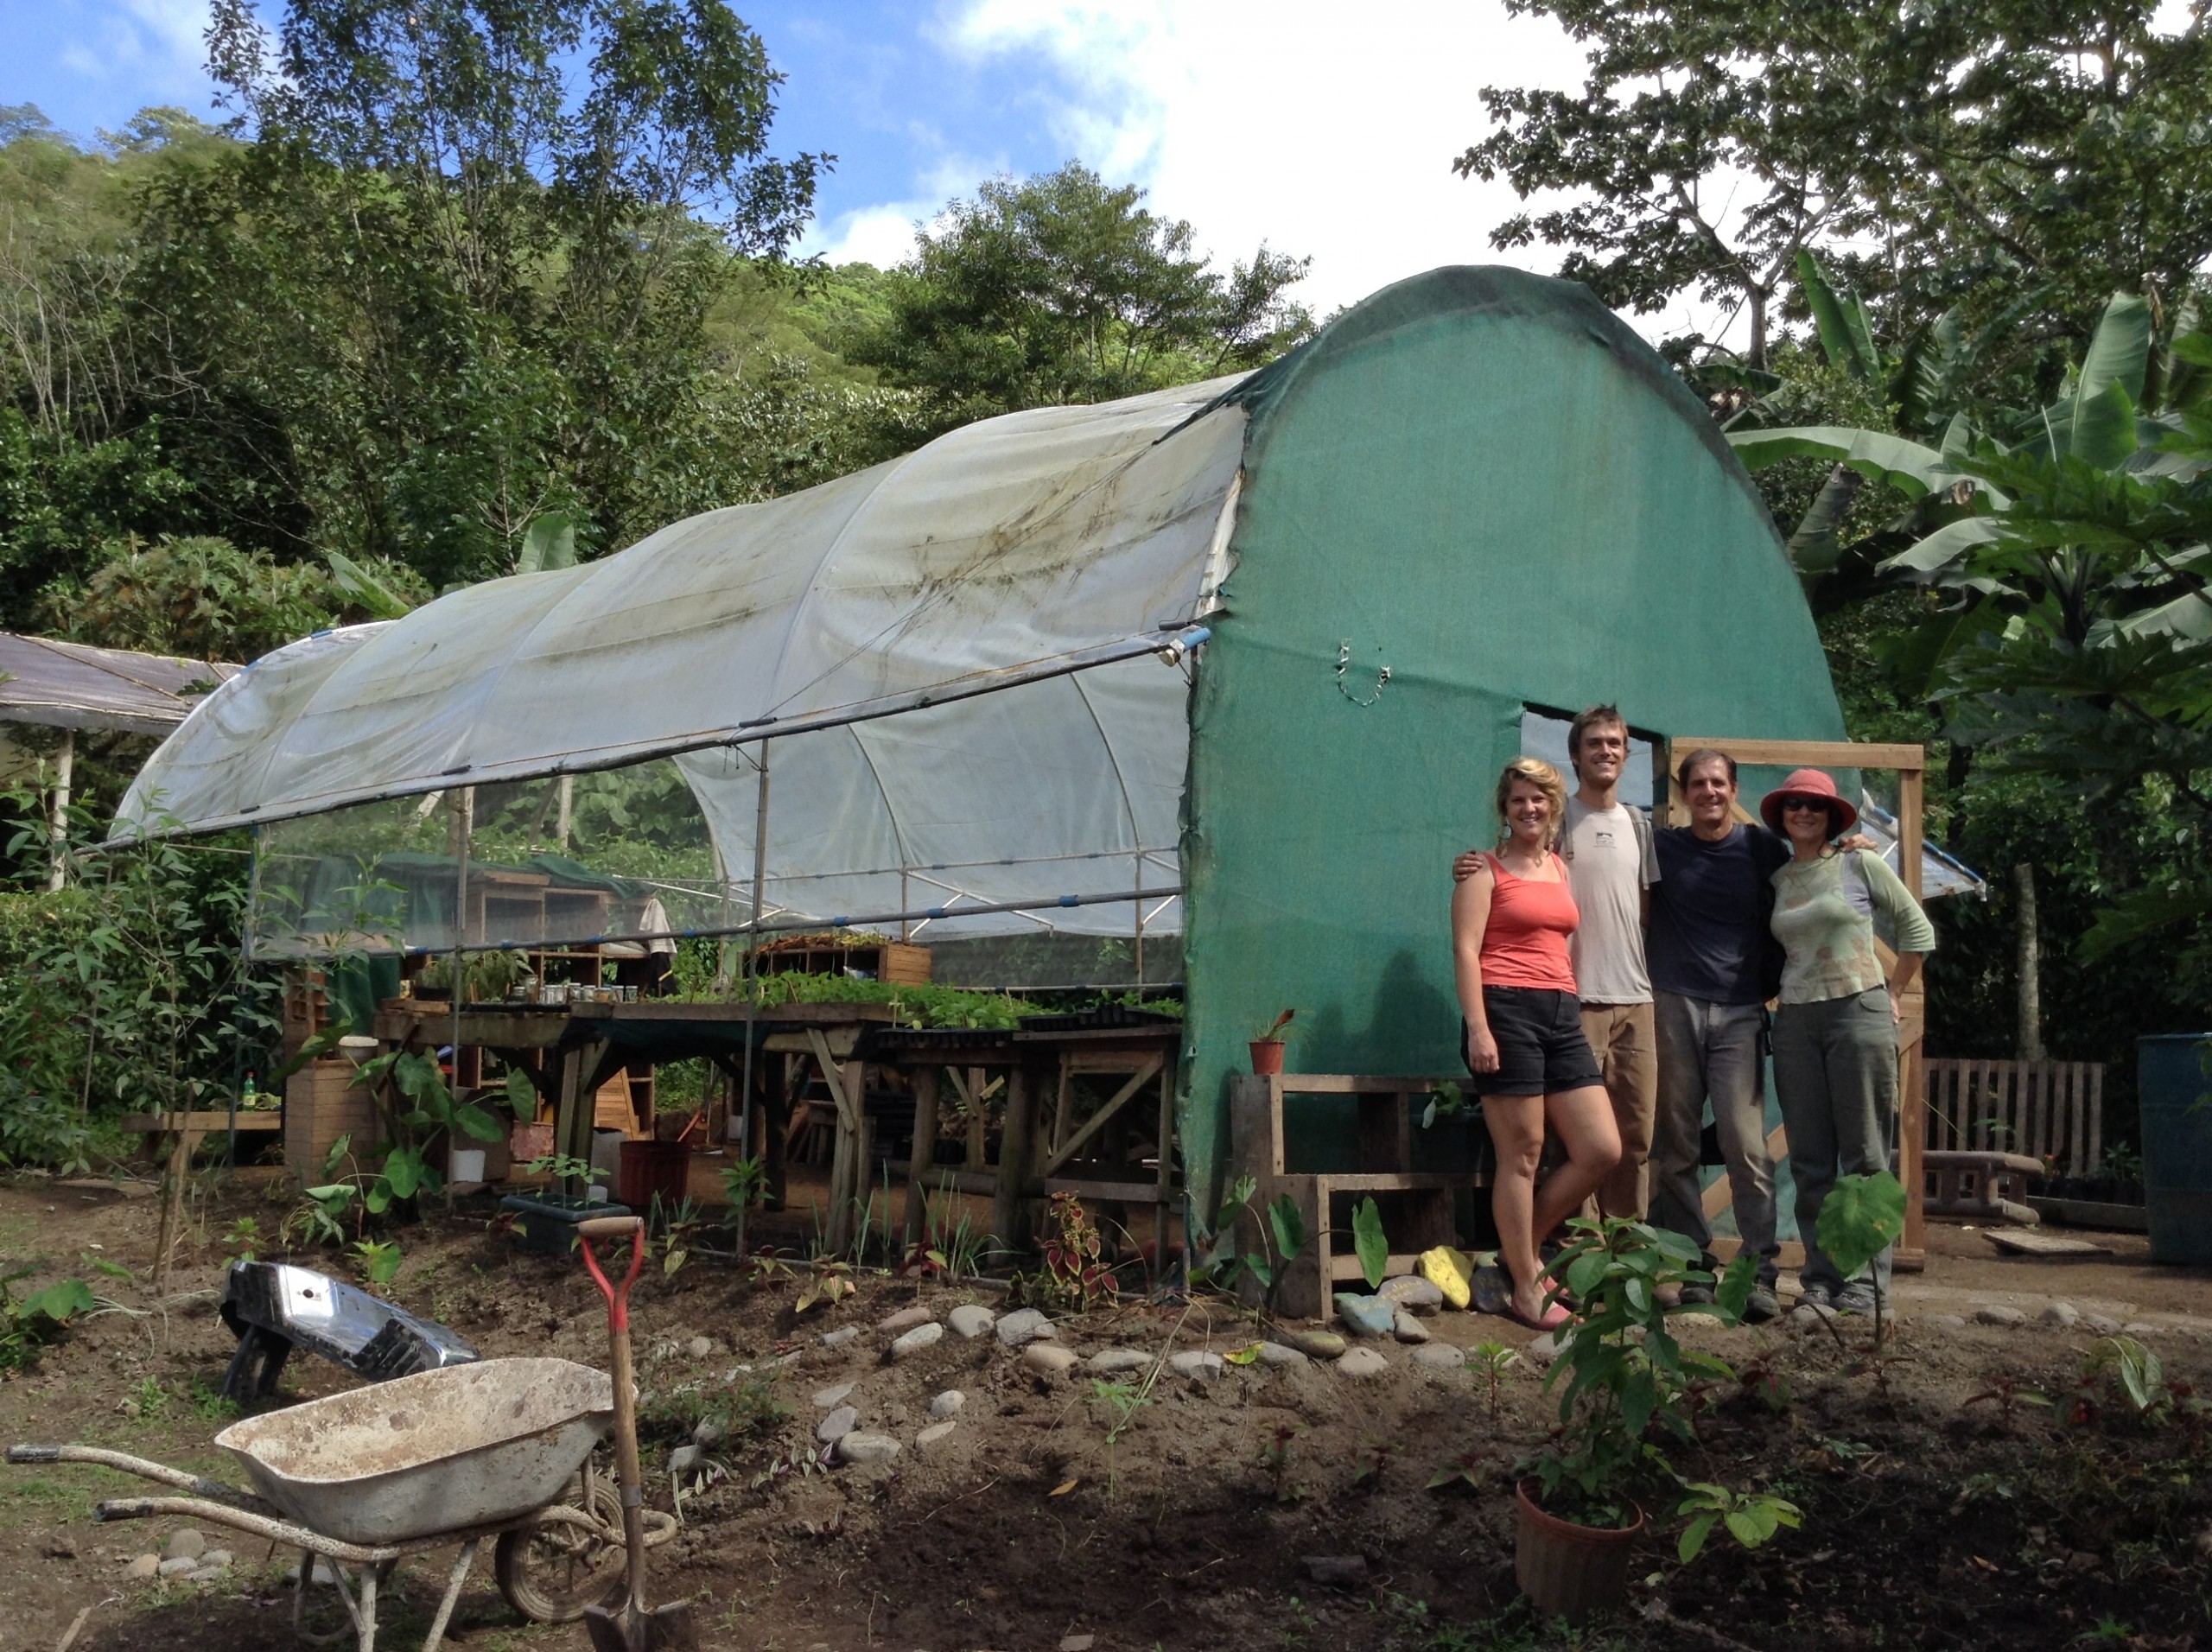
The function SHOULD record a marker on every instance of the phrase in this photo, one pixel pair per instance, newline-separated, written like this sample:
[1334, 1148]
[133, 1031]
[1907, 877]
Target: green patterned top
[1825, 921]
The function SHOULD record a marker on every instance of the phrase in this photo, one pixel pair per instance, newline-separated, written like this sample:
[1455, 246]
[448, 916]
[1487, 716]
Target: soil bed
[1933, 1518]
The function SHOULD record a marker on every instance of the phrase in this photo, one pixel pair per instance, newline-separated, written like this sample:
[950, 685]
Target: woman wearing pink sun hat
[1835, 1030]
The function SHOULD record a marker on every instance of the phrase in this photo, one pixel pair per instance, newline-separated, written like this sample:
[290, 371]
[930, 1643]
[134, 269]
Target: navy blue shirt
[1709, 913]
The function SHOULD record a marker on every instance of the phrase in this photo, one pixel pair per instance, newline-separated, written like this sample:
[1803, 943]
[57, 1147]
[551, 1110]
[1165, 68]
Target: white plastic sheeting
[958, 587]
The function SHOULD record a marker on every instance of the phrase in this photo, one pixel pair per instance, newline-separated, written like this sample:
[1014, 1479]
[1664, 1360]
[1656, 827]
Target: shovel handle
[614, 1227]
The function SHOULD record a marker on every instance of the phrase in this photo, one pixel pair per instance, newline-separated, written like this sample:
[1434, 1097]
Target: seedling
[241, 1239]
[379, 1261]
[1750, 1516]
[1277, 1031]
[1275, 1460]
[2008, 1393]
[1467, 1469]
[1490, 1361]
[1374, 1457]
[831, 1281]
[1074, 1276]
[1122, 1400]
[1368, 1242]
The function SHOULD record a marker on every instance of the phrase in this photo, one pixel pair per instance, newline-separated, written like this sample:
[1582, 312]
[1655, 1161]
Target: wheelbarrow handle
[614, 1227]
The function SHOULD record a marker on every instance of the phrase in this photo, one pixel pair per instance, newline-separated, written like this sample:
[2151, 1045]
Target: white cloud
[1320, 130]
[158, 44]
[882, 236]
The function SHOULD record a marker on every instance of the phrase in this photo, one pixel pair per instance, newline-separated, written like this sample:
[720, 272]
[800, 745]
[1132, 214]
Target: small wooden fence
[2044, 1108]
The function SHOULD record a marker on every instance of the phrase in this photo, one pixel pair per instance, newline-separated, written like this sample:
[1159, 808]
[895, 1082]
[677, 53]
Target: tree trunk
[2023, 877]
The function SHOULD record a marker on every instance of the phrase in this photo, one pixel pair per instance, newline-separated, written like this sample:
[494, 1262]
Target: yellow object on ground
[1452, 1272]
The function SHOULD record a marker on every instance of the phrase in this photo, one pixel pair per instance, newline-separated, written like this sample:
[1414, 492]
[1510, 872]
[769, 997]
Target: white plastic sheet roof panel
[1008, 551]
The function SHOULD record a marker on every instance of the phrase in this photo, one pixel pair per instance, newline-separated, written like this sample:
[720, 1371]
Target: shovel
[632, 1629]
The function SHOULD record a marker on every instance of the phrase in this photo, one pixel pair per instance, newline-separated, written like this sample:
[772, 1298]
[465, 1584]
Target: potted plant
[1266, 1048]
[1623, 1375]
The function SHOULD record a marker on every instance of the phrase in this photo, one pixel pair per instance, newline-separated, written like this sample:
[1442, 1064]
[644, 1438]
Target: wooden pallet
[1417, 1207]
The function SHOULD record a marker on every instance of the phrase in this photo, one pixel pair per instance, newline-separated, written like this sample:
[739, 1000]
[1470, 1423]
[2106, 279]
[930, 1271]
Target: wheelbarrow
[367, 1478]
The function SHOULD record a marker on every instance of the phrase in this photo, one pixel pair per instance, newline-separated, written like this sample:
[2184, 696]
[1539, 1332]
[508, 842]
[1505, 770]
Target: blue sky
[1321, 129]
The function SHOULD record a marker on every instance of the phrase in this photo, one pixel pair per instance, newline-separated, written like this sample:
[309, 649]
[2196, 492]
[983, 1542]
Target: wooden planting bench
[1416, 1206]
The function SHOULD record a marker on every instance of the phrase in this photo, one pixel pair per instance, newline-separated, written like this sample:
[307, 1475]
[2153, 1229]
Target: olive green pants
[1835, 1077]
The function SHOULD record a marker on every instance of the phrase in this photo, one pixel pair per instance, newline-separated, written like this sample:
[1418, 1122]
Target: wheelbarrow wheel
[254, 1368]
[550, 1573]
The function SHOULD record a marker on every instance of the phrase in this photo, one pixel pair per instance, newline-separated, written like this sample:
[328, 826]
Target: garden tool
[631, 1629]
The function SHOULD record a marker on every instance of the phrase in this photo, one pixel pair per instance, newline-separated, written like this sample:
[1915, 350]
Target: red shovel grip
[614, 1227]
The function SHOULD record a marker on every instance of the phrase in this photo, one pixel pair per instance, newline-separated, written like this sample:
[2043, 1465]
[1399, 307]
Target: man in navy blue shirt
[1710, 956]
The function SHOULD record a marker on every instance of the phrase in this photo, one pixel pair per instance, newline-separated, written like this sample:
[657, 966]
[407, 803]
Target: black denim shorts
[1541, 1049]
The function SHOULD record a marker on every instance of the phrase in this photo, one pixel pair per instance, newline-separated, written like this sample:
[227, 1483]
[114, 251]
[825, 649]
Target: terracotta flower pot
[1569, 1571]
[1267, 1057]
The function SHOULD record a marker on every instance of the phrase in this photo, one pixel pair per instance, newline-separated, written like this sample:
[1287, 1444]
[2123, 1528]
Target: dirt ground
[1933, 1517]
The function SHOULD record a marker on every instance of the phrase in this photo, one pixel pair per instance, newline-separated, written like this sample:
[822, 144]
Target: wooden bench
[1981, 1183]
[165, 1132]
[1417, 1207]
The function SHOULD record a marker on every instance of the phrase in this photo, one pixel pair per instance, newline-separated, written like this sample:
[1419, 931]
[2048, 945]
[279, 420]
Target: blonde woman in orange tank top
[1532, 1066]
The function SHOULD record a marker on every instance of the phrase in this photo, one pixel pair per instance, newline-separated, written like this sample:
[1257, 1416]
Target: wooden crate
[909, 966]
[898, 962]
[321, 1105]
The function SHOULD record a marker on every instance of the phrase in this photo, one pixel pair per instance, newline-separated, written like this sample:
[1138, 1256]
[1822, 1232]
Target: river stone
[1451, 1271]
[1365, 1315]
[1440, 1357]
[839, 1336]
[708, 1432]
[1412, 1290]
[1318, 1345]
[145, 1567]
[1047, 1359]
[218, 1558]
[2137, 1329]
[913, 1342]
[2103, 1324]
[1277, 1354]
[866, 1448]
[1947, 1321]
[970, 1319]
[1195, 1362]
[2064, 1315]
[948, 1404]
[683, 1459]
[904, 1320]
[1111, 1360]
[186, 1543]
[1493, 1289]
[830, 1399]
[1406, 1328]
[1997, 1313]
[1025, 1326]
[181, 1565]
[934, 1432]
[1363, 1362]
[838, 1424]
[699, 1347]
[1544, 1349]
[204, 1575]
[1077, 1642]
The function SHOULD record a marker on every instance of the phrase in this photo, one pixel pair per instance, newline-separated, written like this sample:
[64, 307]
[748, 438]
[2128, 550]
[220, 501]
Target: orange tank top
[1524, 943]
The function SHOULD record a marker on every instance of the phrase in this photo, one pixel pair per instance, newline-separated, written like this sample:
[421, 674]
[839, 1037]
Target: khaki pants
[1621, 1038]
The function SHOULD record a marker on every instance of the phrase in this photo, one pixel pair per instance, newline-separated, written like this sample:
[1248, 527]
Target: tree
[1059, 288]
[1997, 150]
[2075, 547]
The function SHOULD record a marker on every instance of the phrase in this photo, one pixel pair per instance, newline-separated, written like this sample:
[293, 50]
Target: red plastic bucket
[648, 1168]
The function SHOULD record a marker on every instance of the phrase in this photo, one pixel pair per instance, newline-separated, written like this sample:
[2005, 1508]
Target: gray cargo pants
[1709, 1051]
[1835, 1075]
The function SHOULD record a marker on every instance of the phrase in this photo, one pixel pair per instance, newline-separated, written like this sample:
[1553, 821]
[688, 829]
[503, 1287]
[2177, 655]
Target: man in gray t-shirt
[1610, 863]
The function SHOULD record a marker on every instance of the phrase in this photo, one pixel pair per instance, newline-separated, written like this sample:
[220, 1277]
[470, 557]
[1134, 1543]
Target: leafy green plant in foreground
[1626, 1377]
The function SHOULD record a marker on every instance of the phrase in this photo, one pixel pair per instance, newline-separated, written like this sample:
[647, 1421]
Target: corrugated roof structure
[72, 685]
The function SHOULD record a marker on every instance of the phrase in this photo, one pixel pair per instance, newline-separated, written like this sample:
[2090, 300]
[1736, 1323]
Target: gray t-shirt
[1609, 861]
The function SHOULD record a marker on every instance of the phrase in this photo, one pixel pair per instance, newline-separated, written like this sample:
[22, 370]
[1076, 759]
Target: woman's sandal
[1552, 1318]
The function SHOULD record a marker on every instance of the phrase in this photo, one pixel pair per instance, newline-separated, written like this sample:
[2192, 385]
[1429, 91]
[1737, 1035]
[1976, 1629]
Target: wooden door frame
[1909, 763]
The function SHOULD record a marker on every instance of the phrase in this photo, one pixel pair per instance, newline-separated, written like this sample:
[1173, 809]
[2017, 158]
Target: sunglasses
[1817, 804]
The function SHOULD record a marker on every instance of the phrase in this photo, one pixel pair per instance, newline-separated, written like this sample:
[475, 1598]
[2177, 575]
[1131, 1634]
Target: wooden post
[1912, 1100]
[1009, 1214]
[924, 1081]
